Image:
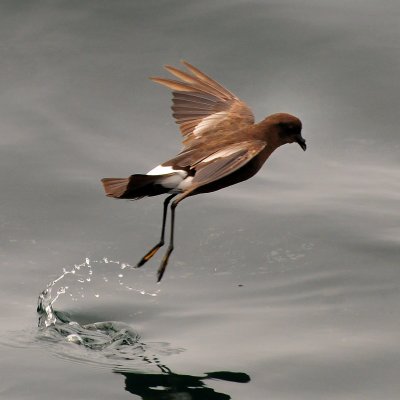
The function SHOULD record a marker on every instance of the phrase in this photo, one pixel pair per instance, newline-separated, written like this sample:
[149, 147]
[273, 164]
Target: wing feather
[196, 97]
[205, 85]
[202, 107]
[226, 161]
[195, 71]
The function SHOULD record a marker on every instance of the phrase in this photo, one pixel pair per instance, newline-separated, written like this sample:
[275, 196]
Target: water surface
[286, 286]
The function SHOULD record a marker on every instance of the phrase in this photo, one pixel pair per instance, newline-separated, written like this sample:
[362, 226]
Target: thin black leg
[161, 242]
[165, 259]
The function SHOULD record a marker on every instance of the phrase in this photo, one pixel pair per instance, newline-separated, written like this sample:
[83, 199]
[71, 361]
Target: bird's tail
[134, 187]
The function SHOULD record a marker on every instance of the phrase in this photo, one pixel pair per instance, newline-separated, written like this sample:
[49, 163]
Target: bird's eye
[287, 128]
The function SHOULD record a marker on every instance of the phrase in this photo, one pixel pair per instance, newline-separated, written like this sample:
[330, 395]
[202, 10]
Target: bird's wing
[226, 161]
[202, 107]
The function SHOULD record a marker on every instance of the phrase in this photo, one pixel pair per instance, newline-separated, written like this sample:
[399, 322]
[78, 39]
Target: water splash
[108, 343]
[84, 275]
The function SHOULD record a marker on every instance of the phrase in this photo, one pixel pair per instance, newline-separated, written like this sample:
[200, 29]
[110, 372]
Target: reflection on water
[169, 385]
[117, 346]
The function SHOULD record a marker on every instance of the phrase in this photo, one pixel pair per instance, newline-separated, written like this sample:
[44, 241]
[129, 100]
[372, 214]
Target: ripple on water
[104, 343]
[77, 336]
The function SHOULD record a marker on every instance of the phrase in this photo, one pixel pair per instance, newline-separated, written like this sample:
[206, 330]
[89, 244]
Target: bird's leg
[161, 242]
[165, 259]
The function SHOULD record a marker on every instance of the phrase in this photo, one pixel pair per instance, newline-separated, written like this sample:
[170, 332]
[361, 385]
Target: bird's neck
[267, 133]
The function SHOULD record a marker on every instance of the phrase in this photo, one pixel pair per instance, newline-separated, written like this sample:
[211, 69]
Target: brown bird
[222, 146]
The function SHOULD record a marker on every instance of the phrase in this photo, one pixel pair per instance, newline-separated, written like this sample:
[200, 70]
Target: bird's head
[288, 128]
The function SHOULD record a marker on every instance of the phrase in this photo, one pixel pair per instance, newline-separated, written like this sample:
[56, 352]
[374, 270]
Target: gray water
[286, 286]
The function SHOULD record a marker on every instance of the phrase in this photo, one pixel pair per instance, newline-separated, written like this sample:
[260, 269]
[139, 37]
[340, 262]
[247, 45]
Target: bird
[222, 146]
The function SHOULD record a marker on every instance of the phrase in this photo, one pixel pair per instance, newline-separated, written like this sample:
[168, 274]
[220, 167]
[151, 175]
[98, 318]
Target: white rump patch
[170, 182]
[209, 121]
[161, 170]
[185, 184]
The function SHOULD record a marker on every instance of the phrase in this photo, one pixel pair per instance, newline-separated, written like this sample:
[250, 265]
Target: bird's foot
[150, 254]
[164, 264]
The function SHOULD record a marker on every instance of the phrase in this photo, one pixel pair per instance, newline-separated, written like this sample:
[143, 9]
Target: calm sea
[284, 287]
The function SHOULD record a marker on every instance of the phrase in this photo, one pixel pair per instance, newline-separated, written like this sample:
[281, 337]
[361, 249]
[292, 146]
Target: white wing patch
[209, 121]
[221, 153]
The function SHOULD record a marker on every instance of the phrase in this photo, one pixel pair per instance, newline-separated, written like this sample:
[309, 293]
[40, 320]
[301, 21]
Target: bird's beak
[302, 143]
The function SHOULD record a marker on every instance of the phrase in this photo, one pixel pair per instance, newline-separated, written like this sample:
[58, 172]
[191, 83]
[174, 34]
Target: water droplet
[74, 338]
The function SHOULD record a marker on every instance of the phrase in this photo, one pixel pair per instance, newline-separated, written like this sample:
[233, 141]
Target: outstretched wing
[202, 107]
[226, 161]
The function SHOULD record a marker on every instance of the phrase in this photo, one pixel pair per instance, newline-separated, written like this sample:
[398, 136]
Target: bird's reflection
[171, 386]
[120, 347]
